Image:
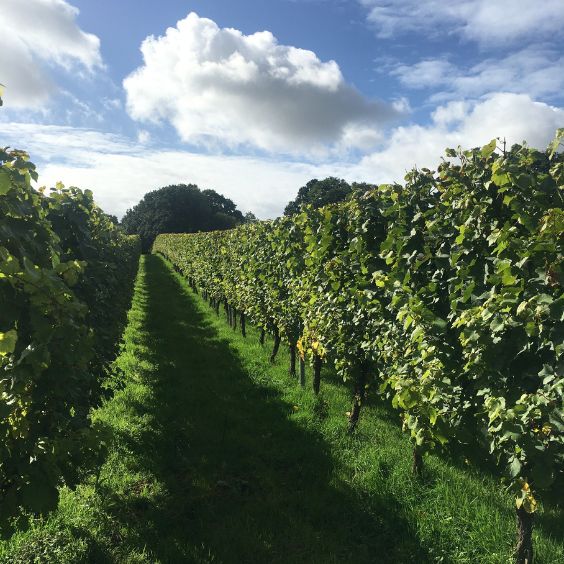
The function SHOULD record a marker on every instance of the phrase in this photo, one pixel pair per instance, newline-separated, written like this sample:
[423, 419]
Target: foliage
[446, 290]
[250, 217]
[87, 234]
[319, 193]
[182, 208]
[51, 345]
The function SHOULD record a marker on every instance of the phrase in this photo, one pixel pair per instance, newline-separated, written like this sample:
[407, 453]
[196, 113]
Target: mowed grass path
[216, 456]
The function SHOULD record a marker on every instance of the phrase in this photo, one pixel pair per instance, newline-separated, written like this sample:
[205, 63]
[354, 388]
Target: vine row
[442, 295]
[66, 280]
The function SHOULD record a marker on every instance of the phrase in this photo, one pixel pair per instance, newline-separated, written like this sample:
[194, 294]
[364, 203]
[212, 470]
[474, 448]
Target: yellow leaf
[530, 504]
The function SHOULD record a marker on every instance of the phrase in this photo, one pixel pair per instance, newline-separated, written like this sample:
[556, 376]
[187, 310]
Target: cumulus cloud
[217, 86]
[485, 21]
[34, 35]
[536, 71]
[515, 117]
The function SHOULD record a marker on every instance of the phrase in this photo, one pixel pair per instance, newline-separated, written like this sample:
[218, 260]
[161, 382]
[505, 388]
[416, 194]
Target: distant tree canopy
[250, 217]
[319, 193]
[182, 208]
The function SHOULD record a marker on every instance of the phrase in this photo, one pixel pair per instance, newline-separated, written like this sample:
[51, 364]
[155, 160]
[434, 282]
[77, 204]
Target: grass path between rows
[216, 456]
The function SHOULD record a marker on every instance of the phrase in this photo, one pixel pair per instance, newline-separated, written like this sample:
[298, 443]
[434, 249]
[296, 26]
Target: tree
[221, 204]
[319, 193]
[250, 217]
[181, 208]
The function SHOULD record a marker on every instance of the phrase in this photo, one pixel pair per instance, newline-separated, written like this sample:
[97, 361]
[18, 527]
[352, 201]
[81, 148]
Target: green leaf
[417, 333]
[556, 309]
[488, 149]
[515, 467]
[460, 238]
[555, 143]
[522, 307]
[8, 342]
[5, 182]
[498, 405]
[439, 323]
[507, 279]
[408, 398]
[500, 177]
[497, 324]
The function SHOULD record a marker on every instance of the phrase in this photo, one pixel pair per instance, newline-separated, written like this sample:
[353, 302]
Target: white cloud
[33, 35]
[220, 87]
[536, 71]
[515, 117]
[485, 21]
[429, 73]
[50, 143]
[143, 136]
[111, 103]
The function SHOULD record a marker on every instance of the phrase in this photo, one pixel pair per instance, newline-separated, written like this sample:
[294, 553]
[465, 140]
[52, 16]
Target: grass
[217, 456]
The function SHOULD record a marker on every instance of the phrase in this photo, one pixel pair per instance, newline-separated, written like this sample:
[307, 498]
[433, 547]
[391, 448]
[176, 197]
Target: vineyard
[442, 296]
[422, 400]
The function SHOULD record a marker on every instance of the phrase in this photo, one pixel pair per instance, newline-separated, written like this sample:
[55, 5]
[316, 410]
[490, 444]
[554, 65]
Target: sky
[254, 98]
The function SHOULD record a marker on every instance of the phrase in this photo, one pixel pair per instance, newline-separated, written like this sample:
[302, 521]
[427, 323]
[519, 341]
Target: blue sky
[254, 98]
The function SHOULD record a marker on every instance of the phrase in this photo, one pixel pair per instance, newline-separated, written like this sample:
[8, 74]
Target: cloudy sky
[253, 98]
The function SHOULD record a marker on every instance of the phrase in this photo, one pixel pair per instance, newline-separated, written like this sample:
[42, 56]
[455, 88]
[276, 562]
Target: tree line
[184, 208]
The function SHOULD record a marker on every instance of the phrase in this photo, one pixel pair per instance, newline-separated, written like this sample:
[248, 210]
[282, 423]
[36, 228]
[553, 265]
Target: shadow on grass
[239, 480]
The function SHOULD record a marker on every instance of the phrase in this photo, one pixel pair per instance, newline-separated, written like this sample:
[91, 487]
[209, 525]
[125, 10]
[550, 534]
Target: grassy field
[217, 456]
